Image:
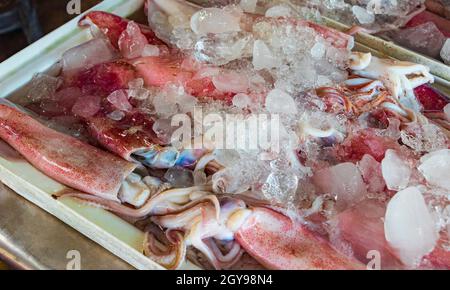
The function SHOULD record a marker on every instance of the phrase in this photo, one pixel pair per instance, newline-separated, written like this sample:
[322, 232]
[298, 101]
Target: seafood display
[420, 25]
[243, 136]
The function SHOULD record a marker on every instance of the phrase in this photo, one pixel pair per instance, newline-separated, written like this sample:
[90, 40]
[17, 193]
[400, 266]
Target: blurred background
[24, 21]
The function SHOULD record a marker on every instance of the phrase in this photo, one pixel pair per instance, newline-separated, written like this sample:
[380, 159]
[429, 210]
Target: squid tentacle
[174, 199]
[172, 257]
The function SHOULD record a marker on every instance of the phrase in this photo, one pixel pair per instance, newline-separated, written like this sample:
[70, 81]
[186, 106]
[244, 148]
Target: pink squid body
[62, 157]
[278, 243]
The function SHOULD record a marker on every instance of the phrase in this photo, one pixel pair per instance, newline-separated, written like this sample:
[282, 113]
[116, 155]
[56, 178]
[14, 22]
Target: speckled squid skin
[279, 244]
[113, 26]
[117, 137]
[64, 158]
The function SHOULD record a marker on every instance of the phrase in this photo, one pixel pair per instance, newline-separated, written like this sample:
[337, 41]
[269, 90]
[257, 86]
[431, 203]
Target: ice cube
[242, 101]
[139, 94]
[343, 181]
[116, 115]
[220, 49]
[291, 44]
[136, 83]
[424, 137]
[435, 167]
[43, 86]
[263, 58]
[163, 129]
[226, 157]
[363, 16]
[137, 91]
[150, 50]
[280, 186]
[445, 52]
[215, 20]
[172, 100]
[447, 111]
[179, 177]
[163, 106]
[371, 172]
[88, 54]
[186, 103]
[396, 170]
[119, 99]
[87, 106]
[279, 11]
[231, 81]
[235, 179]
[248, 6]
[279, 102]
[132, 42]
[318, 50]
[409, 227]
[425, 38]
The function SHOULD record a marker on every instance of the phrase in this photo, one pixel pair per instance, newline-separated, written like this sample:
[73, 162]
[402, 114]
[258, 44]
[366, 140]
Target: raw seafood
[356, 134]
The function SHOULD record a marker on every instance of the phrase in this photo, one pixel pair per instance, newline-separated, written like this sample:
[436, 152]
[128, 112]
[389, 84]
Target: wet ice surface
[216, 20]
[304, 58]
[86, 55]
[396, 170]
[374, 15]
[132, 42]
[435, 167]
[424, 138]
[296, 56]
[279, 102]
[363, 15]
[408, 219]
[344, 181]
[42, 87]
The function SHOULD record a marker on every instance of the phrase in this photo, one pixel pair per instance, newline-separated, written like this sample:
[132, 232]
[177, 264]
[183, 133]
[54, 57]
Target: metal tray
[111, 232]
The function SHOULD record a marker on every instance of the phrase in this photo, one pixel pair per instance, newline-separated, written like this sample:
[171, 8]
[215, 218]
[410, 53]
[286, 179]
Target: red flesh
[426, 16]
[120, 138]
[365, 142]
[430, 99]
[103, 79]
[277, 243]
[62, 157]
[362, 228]
[113, 26]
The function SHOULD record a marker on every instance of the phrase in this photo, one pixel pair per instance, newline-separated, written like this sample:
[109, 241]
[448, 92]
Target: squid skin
[64, 158]
[142, 146]
[112, 26]
[278, 243]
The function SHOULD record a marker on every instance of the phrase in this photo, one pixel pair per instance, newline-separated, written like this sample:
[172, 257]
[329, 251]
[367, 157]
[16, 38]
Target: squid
[380, 84]
[71, 161]
[399, 77]
[268, 236]
[220, 218]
